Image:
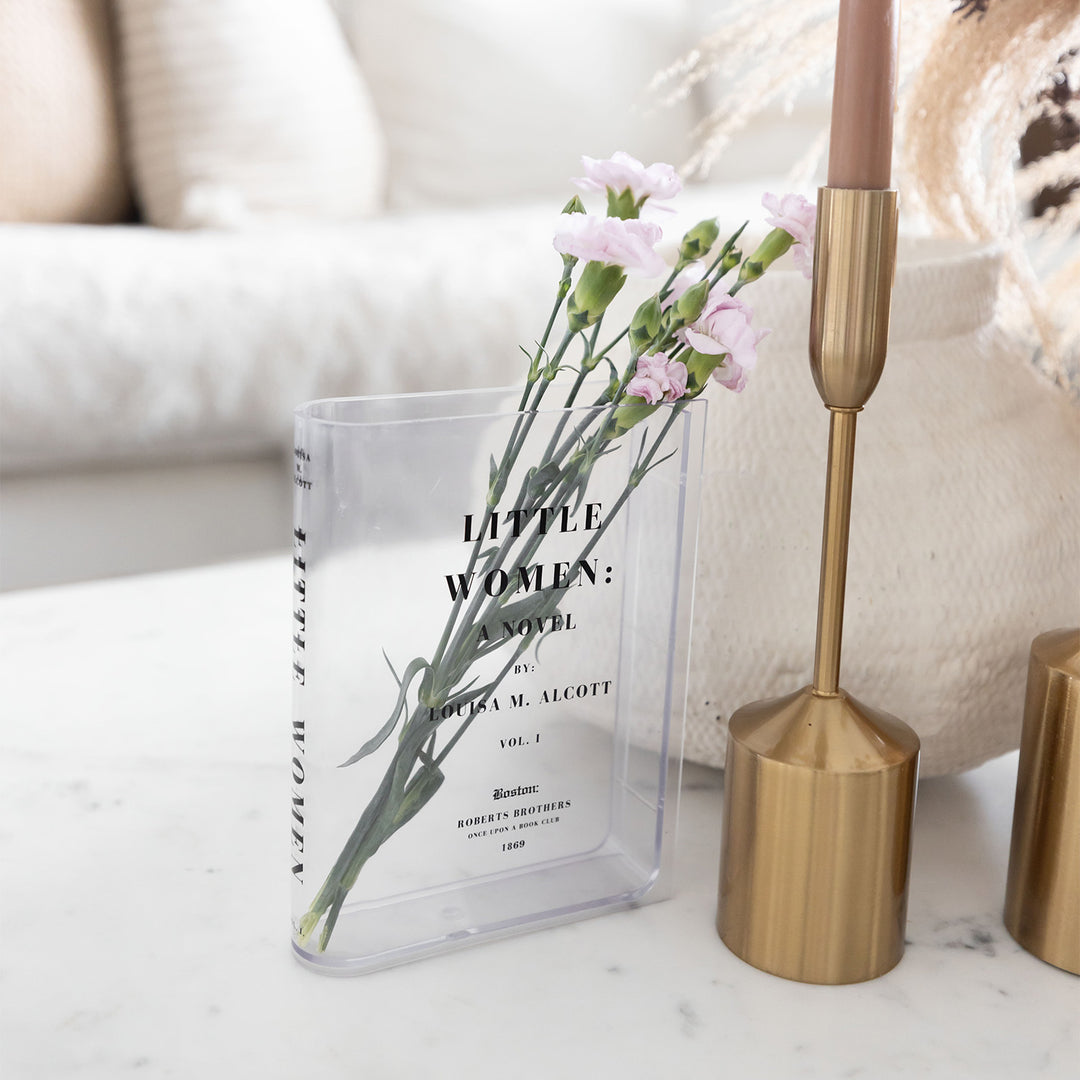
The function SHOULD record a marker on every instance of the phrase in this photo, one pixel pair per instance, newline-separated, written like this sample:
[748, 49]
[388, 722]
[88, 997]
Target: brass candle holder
[1042, 898]
[819, 789]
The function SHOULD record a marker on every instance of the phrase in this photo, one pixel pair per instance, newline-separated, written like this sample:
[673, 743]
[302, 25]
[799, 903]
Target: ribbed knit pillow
[246, 111]
[60, 157]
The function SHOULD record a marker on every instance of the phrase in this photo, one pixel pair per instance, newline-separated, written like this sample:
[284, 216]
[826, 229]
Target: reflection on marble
[145, 898]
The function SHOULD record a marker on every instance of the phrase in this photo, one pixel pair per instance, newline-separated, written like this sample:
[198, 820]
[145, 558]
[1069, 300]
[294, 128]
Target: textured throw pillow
[490, 100]
[246, 111]
[60, 157]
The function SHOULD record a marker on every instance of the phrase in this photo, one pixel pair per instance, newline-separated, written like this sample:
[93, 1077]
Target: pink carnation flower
[796, 216]
[610, 240]
[724, 327]
[732, 376]
[621, 171]
[658, 379]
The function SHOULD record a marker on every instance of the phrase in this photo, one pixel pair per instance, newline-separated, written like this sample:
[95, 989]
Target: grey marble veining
[144, 847]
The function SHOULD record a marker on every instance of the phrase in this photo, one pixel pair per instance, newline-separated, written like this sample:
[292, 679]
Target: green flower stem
[521, 428]
[571, 397]
[507, 463]
[575, 475]
[640, 469]
[390, 807]
[526, 415]
[610, 345]
[666, 287]
[367, 836]
[604, 399]
[591, 454]
[729, 246]
[519, 648]
[549, 451]
[534, 367]
[536, 539]
[524, 422]
[591, 343]
[495, 562]
[510, 453]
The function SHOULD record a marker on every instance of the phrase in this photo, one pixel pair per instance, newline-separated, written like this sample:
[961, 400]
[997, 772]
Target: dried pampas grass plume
[971, 82]
[963, 117]
[767, 55]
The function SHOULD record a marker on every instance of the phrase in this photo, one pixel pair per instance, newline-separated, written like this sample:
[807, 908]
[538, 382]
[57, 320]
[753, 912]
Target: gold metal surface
[834, 551]
[854, 266]
[818, 798]
[1042, 899]
[819, 790]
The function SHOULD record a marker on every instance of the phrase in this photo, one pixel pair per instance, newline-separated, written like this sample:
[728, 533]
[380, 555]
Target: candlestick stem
[834, 551]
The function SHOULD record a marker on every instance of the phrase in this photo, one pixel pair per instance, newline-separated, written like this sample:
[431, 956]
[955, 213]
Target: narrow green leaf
[373, 744]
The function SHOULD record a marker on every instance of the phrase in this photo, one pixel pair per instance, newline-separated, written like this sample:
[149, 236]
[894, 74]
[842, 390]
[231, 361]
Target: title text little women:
[513, 523]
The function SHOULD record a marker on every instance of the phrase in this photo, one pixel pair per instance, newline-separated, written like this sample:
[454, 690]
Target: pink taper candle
[864, 94]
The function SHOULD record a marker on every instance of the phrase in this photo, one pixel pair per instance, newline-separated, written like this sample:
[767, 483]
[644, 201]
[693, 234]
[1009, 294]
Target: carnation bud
[768, 251]
[596, 288]
[645, 325]
[698, 242]
[699, 366]
[750, 270]
[692, 303]
[574, 206]
[629, 414]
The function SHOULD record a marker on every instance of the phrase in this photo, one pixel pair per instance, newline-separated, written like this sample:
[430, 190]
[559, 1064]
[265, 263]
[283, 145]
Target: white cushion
[128, 343]
[244, 111]
[490, 99]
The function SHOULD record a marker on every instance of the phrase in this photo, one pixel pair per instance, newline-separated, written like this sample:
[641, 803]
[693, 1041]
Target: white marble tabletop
[145, 901]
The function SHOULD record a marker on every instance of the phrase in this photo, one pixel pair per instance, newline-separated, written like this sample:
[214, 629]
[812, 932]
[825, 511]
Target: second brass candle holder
[819, 789]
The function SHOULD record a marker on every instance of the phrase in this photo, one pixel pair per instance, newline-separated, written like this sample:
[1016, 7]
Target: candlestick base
[1042, 899]
[819, 792]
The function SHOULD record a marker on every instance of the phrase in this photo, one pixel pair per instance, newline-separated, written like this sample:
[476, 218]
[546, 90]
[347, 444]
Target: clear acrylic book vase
[491, 636]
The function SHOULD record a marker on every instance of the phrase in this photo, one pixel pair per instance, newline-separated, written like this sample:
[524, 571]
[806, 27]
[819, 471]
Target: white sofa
[150, 375]
[309, 220]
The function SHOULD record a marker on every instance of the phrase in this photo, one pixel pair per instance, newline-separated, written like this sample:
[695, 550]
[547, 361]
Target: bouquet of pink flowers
[694, 326]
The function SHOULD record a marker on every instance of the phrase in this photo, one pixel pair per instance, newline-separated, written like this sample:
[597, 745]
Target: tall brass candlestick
[819, 789]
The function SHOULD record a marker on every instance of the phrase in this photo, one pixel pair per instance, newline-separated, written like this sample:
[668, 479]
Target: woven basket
[965, 538]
